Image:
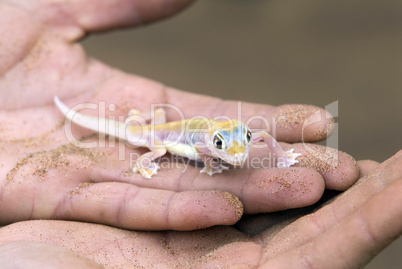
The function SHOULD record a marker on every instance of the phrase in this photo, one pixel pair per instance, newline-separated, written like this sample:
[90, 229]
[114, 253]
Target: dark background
[283, 51]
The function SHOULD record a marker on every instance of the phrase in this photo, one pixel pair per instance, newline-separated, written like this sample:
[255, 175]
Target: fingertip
[193, 210]
[132, 207]
[154, 10]
[311, 187]
[338, 168]
[281, 188]
[236, 206]
[105, 14]
[343, 175]
[366, 166]
[302, 123]
[318, 126]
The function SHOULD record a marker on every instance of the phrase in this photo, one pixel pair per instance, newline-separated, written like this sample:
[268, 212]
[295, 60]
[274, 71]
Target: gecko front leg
[145, 163]
[285, 158]
[211, 167]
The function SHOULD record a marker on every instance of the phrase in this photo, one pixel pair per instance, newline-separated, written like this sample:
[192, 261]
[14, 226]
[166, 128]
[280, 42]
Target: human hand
[345, 233]
[44, 177]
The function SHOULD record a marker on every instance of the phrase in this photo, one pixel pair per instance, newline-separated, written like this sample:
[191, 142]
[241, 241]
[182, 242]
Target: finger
[275, 203]
[356, 239]
[18, 31]
[40, 255]
[61, 186]
[259, 190]
[311, 226]
[131, 207]
[366, 166]
[57, 24]
[98, 15]
[117, 248]
[198, 249]
[338, 168]
[288, 123]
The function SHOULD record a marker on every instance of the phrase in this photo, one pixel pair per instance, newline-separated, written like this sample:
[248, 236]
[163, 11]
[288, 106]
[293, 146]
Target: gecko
[205, 140]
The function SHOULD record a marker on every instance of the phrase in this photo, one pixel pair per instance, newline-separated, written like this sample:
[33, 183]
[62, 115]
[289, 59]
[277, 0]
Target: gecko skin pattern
[203, 140]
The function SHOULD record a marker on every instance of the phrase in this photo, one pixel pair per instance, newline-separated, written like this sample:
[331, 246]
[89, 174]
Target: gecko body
[203, 140]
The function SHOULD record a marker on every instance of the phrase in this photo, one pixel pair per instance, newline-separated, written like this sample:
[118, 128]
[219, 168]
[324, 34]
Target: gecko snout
[239, 158]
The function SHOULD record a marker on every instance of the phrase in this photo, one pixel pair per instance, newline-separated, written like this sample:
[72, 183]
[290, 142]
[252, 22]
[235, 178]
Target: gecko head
[229, 141]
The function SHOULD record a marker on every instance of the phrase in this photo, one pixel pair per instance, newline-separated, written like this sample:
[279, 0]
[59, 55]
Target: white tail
[100, 125]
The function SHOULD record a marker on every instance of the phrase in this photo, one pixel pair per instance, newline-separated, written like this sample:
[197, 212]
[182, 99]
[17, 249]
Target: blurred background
[282, 51]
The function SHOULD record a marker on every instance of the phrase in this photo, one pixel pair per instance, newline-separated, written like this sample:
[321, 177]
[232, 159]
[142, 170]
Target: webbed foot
[146, 171]
[214, 169]
[288, 159]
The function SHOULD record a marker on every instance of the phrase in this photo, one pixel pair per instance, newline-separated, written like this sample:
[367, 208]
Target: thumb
[99, 15]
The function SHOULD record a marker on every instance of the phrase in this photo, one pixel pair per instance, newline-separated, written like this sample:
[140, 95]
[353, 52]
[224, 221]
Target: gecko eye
[218, 142]
[248, 136]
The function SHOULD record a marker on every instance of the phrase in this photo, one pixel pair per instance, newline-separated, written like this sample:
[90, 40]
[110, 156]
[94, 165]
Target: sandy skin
[42, 176]
[370, 212]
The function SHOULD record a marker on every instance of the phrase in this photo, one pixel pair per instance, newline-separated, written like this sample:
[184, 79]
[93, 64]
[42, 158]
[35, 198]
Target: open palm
[43, 176]
[346, 233]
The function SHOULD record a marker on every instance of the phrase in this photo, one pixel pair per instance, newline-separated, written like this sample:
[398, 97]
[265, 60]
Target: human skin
[345, 233]
[43, 177]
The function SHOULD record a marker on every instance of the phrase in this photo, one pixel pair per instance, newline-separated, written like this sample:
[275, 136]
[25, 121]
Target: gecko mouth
[238, 159]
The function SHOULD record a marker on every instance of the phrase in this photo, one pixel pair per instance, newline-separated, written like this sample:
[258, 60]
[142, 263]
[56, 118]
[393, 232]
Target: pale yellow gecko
[196, 139]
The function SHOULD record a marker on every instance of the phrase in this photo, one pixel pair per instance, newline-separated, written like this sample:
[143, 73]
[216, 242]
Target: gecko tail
[100, 125]
[61, 106]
